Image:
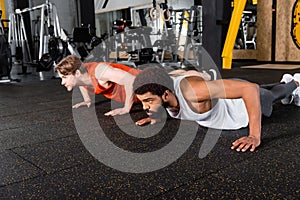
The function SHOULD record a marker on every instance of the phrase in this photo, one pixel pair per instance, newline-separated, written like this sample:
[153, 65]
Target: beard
[160, 113]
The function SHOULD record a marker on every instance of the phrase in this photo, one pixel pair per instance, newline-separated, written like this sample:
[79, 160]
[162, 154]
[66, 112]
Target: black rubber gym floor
[42, 156]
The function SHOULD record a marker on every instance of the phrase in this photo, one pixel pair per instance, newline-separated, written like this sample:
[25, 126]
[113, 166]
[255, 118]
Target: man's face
[69, 81]
[152, 104]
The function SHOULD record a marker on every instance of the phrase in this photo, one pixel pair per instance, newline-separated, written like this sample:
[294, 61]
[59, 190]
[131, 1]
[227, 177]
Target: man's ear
[166, 95]
[77, 73]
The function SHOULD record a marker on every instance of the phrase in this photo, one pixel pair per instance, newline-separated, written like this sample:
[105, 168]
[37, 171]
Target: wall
[286, 50]
[117, 4]
[264, 31]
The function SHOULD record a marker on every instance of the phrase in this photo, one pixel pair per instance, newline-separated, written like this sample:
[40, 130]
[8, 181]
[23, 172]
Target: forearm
[85, 94]
[252, 102]
[255, 127]
[127, 104]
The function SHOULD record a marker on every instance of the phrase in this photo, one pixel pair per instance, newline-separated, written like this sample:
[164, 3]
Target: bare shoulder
[181, 72]
[101, 70]
[101, 67]
[192, 81]
[193, 86]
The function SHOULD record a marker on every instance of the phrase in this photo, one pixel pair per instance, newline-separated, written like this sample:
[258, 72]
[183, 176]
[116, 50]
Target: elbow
[251, 91]
[255, 92]
[256, 87]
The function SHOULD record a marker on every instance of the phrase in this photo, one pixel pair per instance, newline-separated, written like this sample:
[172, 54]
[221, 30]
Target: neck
[84, 80]
[173, 102]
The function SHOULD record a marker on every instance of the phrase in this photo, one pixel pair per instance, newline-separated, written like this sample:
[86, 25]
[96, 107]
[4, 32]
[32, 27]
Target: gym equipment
[178, 29]
[120, 25]
[85, 40]
[232, 33]
[189, 34]
[49, 27]
[84, 44]
[132, 41]
[175, 38]
[17, 38]
[246, 38]
[5, 54]
[166, 13]
[194, 38]
[156, 12]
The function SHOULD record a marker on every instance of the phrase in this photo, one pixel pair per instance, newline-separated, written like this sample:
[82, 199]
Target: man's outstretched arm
[232, 89]
[86, 98]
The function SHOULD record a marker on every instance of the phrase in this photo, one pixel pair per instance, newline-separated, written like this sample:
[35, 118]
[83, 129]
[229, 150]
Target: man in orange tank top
[112, 80]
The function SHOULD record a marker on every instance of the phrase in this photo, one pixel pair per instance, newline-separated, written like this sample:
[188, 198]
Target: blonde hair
[69, 65]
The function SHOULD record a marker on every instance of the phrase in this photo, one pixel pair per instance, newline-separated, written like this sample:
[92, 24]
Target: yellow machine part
[2, 7]
[239, 6]
[254, 2]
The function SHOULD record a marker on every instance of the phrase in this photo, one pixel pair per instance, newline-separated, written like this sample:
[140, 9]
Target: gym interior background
[42, 156]
[40, 33]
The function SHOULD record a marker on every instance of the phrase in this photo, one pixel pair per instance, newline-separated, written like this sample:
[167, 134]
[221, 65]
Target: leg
[269, 95]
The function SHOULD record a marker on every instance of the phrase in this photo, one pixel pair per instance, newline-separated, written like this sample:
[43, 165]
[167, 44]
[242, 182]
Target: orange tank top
[114, 91]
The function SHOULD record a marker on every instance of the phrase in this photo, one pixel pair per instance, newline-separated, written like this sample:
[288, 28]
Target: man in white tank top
[218, 104]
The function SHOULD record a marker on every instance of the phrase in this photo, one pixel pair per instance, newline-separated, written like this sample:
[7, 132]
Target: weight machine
[5, 54]
[131, 45]
[248, 28]
[246, 36]
[49, 27]
[188, 29]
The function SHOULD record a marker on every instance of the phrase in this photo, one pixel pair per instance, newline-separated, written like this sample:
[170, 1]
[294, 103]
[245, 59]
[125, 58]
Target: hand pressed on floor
[244, 143]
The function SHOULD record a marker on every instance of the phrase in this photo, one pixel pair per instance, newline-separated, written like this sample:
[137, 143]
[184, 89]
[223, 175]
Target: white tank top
[226, 114]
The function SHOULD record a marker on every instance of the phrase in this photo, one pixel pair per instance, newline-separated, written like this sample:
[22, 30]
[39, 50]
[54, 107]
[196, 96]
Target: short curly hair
[154, 80]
